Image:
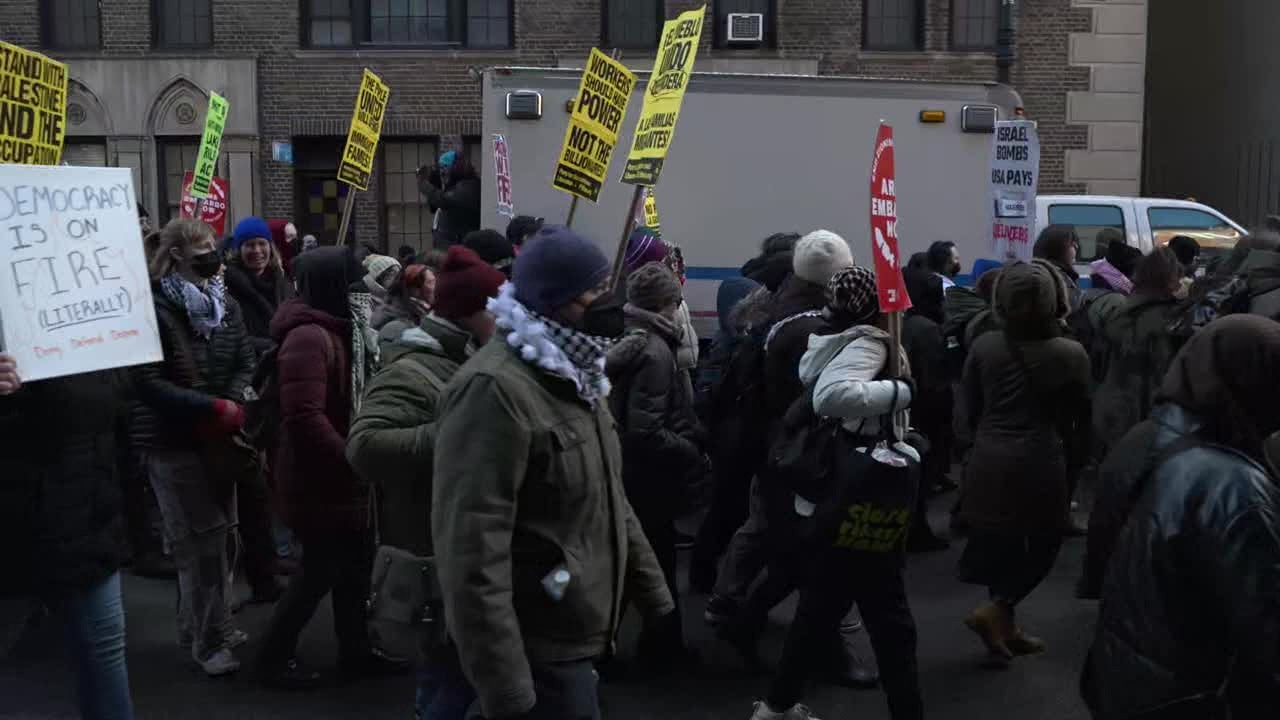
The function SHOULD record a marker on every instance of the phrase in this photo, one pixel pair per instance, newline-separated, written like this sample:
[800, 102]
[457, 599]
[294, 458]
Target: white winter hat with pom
[820, 255]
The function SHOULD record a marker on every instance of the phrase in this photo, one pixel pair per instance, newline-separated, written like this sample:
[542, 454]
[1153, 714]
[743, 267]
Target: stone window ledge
[496, 54]
[925, 55]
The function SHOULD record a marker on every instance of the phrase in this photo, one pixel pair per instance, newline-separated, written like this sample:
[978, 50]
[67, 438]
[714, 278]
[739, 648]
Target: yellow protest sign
[33, 107]
[366, 126]
[663, 97]
[598, 112]
[215, 120]
[650, 210]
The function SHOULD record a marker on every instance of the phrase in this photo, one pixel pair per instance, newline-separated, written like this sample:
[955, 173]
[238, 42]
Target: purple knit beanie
[643, 247]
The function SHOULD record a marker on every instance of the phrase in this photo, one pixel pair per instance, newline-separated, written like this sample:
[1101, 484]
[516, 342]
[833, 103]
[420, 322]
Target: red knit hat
[464, 284]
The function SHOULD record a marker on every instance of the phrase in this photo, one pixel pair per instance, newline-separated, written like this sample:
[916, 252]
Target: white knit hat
[820, 255]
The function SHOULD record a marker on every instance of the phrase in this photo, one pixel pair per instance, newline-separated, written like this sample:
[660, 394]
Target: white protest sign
[74, 291]
[1015, 172]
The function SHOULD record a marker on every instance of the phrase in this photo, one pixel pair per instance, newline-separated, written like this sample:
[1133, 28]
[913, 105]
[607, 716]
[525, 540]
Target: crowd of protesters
[481, 454]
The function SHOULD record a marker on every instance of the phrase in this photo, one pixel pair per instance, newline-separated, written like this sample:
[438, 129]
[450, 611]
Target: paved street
[165, 685]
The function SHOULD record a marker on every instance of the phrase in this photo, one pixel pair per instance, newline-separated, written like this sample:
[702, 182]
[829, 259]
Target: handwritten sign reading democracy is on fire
[33, 107]
[74, 291]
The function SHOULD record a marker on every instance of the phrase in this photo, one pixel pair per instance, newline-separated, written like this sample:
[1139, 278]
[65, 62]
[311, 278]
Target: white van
[1146, 222]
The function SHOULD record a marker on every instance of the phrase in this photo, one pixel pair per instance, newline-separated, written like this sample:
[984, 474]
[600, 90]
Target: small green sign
[207, 159]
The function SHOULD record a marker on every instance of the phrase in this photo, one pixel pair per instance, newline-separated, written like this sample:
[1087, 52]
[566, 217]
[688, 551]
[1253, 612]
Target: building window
[632, 23]
[328, 23]
[975, 24]
[891, 25]
[177, 158]
[764, 7]
[351, 23]
[183, 23]
[70, 24]
[407, 219]
[85, 152]
[489, 23]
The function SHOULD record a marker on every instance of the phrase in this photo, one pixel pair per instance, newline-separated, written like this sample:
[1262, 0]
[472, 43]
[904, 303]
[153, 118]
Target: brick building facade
[141, 71]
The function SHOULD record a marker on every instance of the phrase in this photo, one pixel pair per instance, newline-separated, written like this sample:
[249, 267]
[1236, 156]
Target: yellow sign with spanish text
[366, 127]
[33, 107]
[598, 112]
[663, 97]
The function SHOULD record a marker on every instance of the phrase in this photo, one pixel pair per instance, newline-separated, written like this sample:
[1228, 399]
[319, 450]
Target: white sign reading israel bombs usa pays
[74, 291]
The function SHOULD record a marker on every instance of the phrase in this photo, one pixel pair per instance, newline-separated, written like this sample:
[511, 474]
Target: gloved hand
[227, 419]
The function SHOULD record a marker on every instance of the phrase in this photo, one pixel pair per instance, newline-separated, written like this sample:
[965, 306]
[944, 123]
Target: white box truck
[759, 154]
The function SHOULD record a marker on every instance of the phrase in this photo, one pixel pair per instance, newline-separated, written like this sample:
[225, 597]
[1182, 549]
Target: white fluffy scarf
[543, 344]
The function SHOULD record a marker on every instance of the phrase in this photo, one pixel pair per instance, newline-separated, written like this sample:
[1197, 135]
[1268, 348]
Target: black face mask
[604, 316]
[206, 265]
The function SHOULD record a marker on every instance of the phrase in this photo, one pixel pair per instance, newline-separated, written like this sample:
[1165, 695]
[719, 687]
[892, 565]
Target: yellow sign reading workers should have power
[33, 107]
[663, 97]
[598, 112]
[366, 126]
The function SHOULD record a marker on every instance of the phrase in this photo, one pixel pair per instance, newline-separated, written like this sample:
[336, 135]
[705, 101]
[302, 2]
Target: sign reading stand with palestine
[33, 107]
[74, 292]
[598, 112]
[215, 120]
[366, 126]
[884, 226]
[663, 97]
[1015, 173]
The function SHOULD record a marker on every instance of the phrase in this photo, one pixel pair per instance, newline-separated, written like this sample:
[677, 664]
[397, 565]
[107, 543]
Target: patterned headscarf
[852, 293]
[205, 306]
[552, 347]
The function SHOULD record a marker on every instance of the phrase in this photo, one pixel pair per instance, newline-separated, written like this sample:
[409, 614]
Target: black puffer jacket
[797, 314]
[174, 396]
[459, 206]
[259, 298]
[60, 524]
[1194, 579]
[653, 403]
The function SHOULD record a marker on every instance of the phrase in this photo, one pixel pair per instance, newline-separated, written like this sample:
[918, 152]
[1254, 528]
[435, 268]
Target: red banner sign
[213, 209]
[502, 174]
[884, 226]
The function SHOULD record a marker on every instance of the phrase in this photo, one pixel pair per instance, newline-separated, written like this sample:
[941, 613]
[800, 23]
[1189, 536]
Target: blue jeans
[443, 693]
[95, 637]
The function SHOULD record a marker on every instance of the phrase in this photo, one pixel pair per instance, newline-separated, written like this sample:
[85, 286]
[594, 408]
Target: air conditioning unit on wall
[744, 27]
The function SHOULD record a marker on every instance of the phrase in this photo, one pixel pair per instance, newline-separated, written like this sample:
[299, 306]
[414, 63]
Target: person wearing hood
[846, 372]
[931, 408]
[1139, 348]
[536, 543]
[662, 455]
[687, 355]
[380, 272]
[1114, 271]
[186, 424]
[646, 246]
[452, 190]
[1059, 245]
[1111, 280]
[742, 305]
[1188, 625]
[408, 301]
[801, 309]
[393, 438]
[257, 280]
[492, 247]
[1026, 392]
[284, 238]
[320, 496]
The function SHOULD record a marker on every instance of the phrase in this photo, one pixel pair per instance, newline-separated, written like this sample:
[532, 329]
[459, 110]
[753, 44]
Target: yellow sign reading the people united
[33, 107]
[366, 126]
[598, 112]
[663, 97]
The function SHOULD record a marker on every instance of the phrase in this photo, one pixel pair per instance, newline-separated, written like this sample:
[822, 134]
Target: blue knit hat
[555, 266]
[248, 229]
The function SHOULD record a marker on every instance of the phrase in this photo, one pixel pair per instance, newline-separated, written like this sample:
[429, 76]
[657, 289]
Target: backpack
[1082, 330]
[262, 403]
[262, 415]
[1230, 298]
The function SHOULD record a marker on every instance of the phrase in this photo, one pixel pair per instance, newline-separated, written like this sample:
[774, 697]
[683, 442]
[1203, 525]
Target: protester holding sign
[452, 189]
[61, 528]
[187, 424]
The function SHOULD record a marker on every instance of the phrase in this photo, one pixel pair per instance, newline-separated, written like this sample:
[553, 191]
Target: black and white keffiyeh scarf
[552, 347]
[205, 306]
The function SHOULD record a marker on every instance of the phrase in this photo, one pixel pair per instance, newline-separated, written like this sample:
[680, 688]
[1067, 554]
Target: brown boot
[1023, 644]
[992, 624]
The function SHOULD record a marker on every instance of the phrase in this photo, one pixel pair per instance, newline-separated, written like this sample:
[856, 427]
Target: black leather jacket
[1193, 582]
